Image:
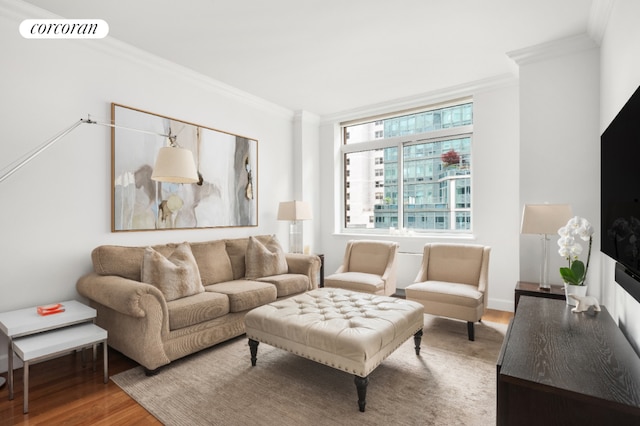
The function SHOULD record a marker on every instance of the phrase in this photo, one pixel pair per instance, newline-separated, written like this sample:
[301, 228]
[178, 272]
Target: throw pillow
[265, 259]
[175, 276]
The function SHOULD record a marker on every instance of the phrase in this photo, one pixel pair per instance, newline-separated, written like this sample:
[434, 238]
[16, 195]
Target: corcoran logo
[64, 28]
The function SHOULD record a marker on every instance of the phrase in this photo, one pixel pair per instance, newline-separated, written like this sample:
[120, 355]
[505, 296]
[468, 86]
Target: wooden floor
[63, 391]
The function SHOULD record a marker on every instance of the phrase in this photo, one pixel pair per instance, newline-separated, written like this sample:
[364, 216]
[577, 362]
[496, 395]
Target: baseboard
[501, 304]
[17, 363]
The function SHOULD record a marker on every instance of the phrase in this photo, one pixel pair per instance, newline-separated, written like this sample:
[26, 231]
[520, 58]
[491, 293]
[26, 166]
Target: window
[416, 174]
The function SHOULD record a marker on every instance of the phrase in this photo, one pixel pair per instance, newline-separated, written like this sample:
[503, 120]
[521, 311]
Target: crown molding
[17, 10]
[423, 99]
[599, 19]
[552, 49]
[304, 116]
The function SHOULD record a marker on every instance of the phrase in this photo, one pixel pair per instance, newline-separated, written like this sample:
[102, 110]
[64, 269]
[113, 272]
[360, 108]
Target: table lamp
[295, 211]
[544, 220]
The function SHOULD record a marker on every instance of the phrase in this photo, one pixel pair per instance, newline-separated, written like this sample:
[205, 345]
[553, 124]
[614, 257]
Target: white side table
[24, 322]
[49, 344]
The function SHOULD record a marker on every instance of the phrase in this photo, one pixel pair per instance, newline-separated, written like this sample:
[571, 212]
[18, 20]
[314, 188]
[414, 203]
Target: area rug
[452, 382]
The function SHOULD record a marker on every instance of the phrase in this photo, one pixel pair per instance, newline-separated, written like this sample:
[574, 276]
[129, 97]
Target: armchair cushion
[455, 263]
[445, 292]
[356, 281]
[370, 257]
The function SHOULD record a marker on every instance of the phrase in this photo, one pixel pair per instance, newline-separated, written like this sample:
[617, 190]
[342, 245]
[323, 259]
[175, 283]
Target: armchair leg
[470, 331]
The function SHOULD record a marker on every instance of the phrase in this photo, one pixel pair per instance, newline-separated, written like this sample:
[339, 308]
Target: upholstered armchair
[368, 267]
[453, 282]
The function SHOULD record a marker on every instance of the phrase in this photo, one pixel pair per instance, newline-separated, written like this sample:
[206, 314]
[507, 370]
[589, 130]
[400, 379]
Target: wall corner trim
[552, 49]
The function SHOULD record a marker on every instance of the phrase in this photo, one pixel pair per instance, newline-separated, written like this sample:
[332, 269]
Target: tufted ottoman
[350, 331]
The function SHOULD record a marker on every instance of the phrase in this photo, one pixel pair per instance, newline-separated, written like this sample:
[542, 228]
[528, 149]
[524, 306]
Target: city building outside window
[411, 171]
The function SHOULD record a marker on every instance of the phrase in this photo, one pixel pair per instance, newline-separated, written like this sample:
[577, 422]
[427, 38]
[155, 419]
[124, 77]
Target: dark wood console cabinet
[562, 368]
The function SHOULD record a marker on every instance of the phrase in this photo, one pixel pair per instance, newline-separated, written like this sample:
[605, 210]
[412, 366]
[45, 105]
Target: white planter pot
[578, 290]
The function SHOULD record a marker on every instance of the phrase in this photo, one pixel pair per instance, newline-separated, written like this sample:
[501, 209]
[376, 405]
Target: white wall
[307, 172]
[620, 77]
[560, 144]
[57, 209]
[495, 186]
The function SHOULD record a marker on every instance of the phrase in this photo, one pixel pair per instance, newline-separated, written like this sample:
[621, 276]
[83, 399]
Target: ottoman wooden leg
[361, 386]
[417, 338]
[253, 347]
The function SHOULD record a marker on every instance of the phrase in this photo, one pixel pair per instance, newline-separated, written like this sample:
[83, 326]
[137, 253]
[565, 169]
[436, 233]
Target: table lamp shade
[175, 165]
[294, 210]
[544, 218]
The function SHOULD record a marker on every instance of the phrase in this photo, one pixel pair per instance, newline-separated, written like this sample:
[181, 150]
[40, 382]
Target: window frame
[399, 142]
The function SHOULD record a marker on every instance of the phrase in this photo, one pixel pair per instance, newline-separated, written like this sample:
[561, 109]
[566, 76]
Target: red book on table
[50, 309]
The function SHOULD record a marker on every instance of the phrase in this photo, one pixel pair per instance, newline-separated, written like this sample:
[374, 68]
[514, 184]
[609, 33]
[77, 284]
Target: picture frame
[227, 164]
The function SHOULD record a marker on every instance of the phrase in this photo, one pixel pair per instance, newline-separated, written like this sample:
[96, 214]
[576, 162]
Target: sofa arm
[120, 294]
[135, 315]
[305, 264]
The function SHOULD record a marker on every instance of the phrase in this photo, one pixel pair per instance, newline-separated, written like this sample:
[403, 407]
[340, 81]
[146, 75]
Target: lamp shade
[175, 165]
[294, 210]
[544, 218]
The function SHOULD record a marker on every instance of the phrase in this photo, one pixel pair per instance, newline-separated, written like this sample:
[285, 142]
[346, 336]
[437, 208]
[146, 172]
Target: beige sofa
[154, 327]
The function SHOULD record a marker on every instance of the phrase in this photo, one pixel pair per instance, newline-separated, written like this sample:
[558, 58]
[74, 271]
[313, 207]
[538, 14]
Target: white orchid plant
[570, 249]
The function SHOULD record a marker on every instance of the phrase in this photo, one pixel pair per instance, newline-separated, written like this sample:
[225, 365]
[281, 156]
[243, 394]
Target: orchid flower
[570, 249]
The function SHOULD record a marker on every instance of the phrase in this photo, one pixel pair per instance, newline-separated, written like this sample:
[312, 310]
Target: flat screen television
[620, 194]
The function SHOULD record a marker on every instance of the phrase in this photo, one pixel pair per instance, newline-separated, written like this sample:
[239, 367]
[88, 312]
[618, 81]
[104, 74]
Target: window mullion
[400, 147]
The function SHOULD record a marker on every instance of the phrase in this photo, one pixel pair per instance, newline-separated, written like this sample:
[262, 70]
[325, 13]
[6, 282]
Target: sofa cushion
[264, 259]
[245, 294]
[195, 309]
[288, 284]
[123, 261]
[175, 276]
[236, 249]
[213, 262]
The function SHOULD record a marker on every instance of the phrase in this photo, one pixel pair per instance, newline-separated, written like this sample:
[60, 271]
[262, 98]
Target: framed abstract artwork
[227, 164]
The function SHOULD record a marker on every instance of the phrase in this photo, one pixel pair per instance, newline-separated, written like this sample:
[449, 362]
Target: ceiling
[331, 56]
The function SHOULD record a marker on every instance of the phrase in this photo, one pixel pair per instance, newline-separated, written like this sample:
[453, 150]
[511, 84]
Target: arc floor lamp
[173, 164]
